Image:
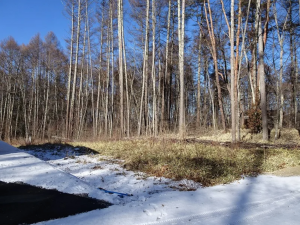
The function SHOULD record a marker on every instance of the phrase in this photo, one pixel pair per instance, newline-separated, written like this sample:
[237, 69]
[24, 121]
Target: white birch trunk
[75, 70]
[154, 116]
[145, 70]
[70, 73]
[181, 24]
[233, 78]
[120, 19]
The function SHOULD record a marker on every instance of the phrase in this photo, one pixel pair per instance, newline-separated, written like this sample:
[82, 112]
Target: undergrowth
[207, 164]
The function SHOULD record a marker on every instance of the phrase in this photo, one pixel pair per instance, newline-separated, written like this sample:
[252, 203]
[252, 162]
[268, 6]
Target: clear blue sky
[22, 19]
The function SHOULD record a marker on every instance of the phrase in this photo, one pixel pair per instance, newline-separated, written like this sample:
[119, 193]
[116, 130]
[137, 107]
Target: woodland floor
[264, 199]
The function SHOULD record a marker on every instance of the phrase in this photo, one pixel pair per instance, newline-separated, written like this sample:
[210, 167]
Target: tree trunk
[145, 71]
[154, 114]
[262, 85]
[214, 53]
[198, 125]
[75, 71]
[181, 24]
[70, 73]
[166, 70]
[126, 83]
[233, 77]
[120, 22]
[281, 40]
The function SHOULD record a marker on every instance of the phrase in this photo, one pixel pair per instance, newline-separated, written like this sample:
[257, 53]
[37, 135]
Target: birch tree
[71, 116]
[233, 77]
[181, 24]
[143, 103]
[120, 44]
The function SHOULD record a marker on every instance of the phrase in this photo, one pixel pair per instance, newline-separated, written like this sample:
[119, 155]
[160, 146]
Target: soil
[287, 172]
[25, 204]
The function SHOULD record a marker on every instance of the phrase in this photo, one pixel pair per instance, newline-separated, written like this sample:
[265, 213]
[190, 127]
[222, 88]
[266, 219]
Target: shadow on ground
[25, 204]
[57, 151]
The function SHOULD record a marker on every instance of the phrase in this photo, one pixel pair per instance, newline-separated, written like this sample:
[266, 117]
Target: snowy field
[264, 199]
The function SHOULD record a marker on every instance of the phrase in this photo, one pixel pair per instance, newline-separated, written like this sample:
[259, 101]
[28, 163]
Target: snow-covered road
[264, 199]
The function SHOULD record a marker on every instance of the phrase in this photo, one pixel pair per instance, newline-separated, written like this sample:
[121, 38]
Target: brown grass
[209, 165]
[287, 136]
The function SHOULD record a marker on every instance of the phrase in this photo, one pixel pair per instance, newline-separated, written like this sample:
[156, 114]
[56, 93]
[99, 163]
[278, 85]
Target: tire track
[259, 208]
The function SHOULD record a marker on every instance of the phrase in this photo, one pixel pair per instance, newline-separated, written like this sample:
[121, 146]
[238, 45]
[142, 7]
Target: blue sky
[22, 19]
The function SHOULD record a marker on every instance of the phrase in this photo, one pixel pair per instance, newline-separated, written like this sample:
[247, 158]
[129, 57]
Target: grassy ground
[207, 164]
[287, 136]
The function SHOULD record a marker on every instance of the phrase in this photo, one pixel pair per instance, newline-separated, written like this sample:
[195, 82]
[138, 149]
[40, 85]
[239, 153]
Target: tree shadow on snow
[49, 151]
[243, 201]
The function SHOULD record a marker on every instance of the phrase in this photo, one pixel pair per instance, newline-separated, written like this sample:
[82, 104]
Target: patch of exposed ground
[287, 172]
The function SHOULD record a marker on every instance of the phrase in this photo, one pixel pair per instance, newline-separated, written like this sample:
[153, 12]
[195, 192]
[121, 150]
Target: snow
[264, 199]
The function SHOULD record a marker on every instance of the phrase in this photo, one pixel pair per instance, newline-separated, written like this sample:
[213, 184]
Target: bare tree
[261, 71]
[120, 23]
[70, 63]
[233, 77]
[181, 24]
[71, 116]
[214, 55]
[145, 71]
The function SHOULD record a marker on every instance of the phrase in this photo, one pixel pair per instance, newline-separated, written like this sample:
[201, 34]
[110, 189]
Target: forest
[148, 68]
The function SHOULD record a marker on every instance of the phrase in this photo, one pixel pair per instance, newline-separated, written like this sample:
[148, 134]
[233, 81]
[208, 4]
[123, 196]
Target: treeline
[150, 67]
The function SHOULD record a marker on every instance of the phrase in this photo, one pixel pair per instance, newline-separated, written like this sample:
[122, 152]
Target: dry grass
[287, 136]
[207, 164]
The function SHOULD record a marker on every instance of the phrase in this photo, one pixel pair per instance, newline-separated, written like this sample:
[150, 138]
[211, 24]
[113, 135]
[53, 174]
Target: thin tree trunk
[233, 77]
[69, 74]
[166, 69]
[154, 115]
[99, 76]
[296, 93]
[214, 53]
[120, 22]
[46, 105]
[211, 95]
[181, 24]
[199, 81]
[80, 99]
[112, 77]
[90, 74]
[145, 71]
[126, 82]
[237, 72]
[108, 71]
[75, 71]
[281, 40]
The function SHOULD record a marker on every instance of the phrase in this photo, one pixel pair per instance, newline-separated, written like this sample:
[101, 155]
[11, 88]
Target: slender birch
[154, 113]
[120, 19]
[75, 69]
[181, 24]
[233, 77]
[70, 69]
[145, 70]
